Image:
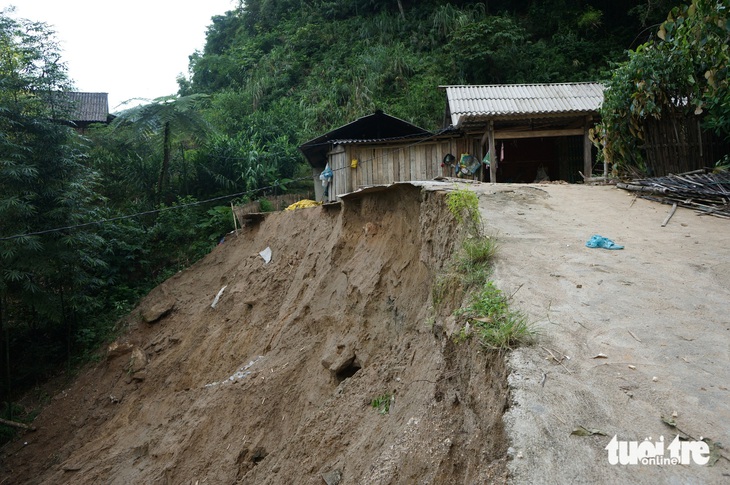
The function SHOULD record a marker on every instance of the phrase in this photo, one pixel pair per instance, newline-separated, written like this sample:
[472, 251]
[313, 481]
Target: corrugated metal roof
[89, 107]
[483, 102]
[350, 141]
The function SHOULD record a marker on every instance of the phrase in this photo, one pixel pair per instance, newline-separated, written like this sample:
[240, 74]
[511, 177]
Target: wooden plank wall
[337, 162]
[676, 144]
[386, 164]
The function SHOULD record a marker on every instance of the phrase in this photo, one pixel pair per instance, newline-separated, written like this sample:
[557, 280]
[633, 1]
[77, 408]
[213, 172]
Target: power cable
[145, 213]
[200, 202]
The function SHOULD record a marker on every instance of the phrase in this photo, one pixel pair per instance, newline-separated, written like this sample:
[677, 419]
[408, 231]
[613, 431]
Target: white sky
[127, 48]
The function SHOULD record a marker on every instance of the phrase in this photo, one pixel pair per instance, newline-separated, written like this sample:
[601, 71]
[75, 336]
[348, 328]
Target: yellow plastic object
[303, 204]
[353, 163]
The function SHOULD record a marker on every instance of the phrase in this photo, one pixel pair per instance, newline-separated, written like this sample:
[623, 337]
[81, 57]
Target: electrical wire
[145, 213]
[199, 202]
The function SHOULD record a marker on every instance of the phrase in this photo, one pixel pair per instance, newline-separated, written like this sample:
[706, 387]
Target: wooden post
[16, 425]
[587, 145]
[235, 223]
[493, 156]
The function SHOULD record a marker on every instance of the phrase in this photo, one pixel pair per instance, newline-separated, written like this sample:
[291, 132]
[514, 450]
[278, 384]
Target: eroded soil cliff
[276, 383]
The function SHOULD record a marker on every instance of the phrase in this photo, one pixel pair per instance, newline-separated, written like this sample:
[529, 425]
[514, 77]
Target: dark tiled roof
[88, 107]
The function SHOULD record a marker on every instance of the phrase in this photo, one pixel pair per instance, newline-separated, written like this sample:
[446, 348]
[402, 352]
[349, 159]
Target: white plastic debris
[240, 374]
[266, 254]
[218, 297]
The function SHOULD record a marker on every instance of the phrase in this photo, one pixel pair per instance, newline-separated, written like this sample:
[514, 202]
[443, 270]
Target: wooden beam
[587, 146]
[513, 135]
[16, 425]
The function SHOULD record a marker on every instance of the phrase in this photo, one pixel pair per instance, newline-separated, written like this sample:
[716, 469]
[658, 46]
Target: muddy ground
[276, 384]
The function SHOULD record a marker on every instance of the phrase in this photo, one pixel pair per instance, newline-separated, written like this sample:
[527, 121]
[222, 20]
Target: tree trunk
[166, 148]
[67, 323]
[402, 12]
[185, 185]
[6, 347]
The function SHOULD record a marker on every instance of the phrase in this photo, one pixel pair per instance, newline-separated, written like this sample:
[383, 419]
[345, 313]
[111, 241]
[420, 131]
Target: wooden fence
[278, 203]
[677, 144]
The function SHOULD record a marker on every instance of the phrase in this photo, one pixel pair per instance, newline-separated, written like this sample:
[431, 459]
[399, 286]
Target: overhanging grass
[495, 324]
[488, 315]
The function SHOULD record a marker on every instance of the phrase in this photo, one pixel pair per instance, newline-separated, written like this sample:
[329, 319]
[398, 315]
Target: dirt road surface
[658, 310]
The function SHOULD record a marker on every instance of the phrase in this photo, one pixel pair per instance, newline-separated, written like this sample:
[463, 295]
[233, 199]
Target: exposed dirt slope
[275, 384]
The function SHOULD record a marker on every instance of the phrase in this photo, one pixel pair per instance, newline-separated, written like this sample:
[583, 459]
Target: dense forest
[91, 222]
[299, 68]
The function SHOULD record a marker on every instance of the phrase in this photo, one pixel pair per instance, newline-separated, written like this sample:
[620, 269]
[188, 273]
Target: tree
[47, 276]
[684, 70]
[163, 120]
[700, 33]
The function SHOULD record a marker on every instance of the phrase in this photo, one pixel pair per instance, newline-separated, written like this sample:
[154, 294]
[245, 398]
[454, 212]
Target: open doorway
[529, 160]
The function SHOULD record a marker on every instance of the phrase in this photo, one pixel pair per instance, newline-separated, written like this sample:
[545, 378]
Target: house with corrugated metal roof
[375, 149]
[539, 132]
[532, 132]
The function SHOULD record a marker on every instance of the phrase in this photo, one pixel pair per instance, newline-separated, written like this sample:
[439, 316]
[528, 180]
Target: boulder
[157, 310]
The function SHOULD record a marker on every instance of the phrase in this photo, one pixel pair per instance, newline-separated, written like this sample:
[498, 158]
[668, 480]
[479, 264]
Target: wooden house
[539, 131]
[377, 149]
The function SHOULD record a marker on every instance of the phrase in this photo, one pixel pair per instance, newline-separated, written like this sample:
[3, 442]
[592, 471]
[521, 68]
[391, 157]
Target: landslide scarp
[276, 384]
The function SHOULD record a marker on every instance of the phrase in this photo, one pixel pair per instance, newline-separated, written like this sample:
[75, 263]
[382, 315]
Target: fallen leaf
[669, 421]
[581, 431]
[714, 451]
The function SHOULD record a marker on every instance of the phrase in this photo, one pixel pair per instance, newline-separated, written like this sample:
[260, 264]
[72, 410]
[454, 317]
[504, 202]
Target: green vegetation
[474, 260]
[464, 206]
[382, 403]
[488, 314]
[683, 70]
[497, 326]
[302, 68]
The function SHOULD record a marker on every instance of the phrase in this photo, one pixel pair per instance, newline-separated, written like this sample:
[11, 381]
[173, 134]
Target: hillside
[276, 383]
[298, 69]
